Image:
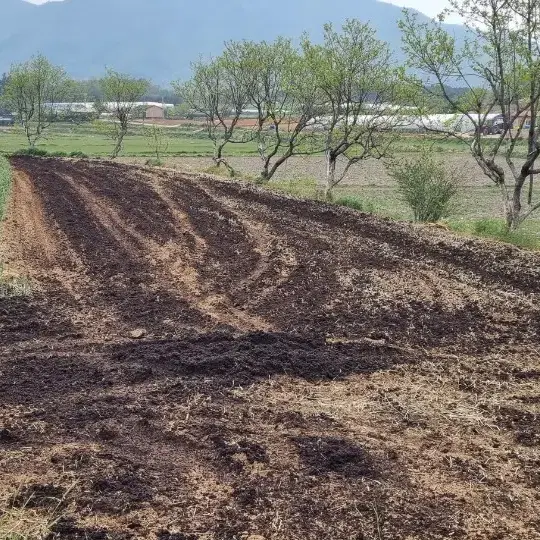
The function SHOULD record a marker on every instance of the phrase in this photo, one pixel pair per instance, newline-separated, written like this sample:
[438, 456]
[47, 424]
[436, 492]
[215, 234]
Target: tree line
[346, 97]
[342, 98]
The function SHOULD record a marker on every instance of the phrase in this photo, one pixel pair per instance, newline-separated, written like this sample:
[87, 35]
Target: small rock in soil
[139, 333]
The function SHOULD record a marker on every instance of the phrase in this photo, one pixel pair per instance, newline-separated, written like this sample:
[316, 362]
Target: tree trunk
[219, 160]
[118, 146]
[31, 142]
[331, 163]
[513, 207]
[218, 153]
[270, 172]
[265, 175]
[117, 149]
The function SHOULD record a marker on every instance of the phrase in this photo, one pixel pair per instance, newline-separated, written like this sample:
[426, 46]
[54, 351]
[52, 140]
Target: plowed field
[205, 360]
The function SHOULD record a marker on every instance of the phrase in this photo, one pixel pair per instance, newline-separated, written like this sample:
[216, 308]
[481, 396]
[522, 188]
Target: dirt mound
[300, 370]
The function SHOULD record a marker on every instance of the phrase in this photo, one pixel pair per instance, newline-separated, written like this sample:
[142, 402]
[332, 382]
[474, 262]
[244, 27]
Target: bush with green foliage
[425, 186]
[157, 142]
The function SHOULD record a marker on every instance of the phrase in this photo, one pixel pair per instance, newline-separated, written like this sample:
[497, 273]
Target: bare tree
[217, 92]
[500, 65]
[120, 96]
[363, 96]
[284, 94]
[34, 89]
[157, 141]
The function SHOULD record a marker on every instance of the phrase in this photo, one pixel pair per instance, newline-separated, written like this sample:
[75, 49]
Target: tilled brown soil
[304, 372]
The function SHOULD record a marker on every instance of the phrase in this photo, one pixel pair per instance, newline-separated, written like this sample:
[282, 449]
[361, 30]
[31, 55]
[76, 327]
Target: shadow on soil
[108, 412]
[223, 359]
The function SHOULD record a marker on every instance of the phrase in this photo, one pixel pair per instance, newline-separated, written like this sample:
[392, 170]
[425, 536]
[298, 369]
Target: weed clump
[78, 154]
[356, 203]
[153, 162]
[222, 170]
[497, 229]
[36, 152]
[41, 152]
[14, 287]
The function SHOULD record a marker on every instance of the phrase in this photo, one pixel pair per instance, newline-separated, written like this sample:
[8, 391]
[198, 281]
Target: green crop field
[181, 141]
[87, 139]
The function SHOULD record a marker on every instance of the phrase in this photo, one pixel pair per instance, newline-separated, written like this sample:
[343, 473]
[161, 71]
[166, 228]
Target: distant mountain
[159, 38]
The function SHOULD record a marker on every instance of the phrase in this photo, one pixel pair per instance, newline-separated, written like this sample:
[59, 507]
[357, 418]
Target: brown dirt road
[306, 372]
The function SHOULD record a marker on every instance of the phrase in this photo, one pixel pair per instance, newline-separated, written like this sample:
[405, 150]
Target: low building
[155, 112]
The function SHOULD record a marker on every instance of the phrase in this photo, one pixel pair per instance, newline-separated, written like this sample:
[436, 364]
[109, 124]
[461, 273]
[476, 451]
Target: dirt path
[306, 372]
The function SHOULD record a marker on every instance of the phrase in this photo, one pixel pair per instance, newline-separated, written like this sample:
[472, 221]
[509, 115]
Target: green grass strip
[526, 237]
[5, 185]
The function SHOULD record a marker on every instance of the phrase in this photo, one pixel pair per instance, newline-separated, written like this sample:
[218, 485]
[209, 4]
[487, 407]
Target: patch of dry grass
[24, 524]
[14, 287]
[26, 514]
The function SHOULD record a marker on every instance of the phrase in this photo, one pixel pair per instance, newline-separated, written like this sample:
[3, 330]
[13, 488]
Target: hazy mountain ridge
[159, 39]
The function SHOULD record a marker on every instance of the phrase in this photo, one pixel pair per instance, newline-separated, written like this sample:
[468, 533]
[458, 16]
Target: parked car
[493, 127]
[7, 120]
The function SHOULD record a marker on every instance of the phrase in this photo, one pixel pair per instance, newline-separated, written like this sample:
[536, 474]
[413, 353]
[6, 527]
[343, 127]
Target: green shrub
[38, 152]
[425, 186]
[356, 203]
[41, 152]
[5, 185]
